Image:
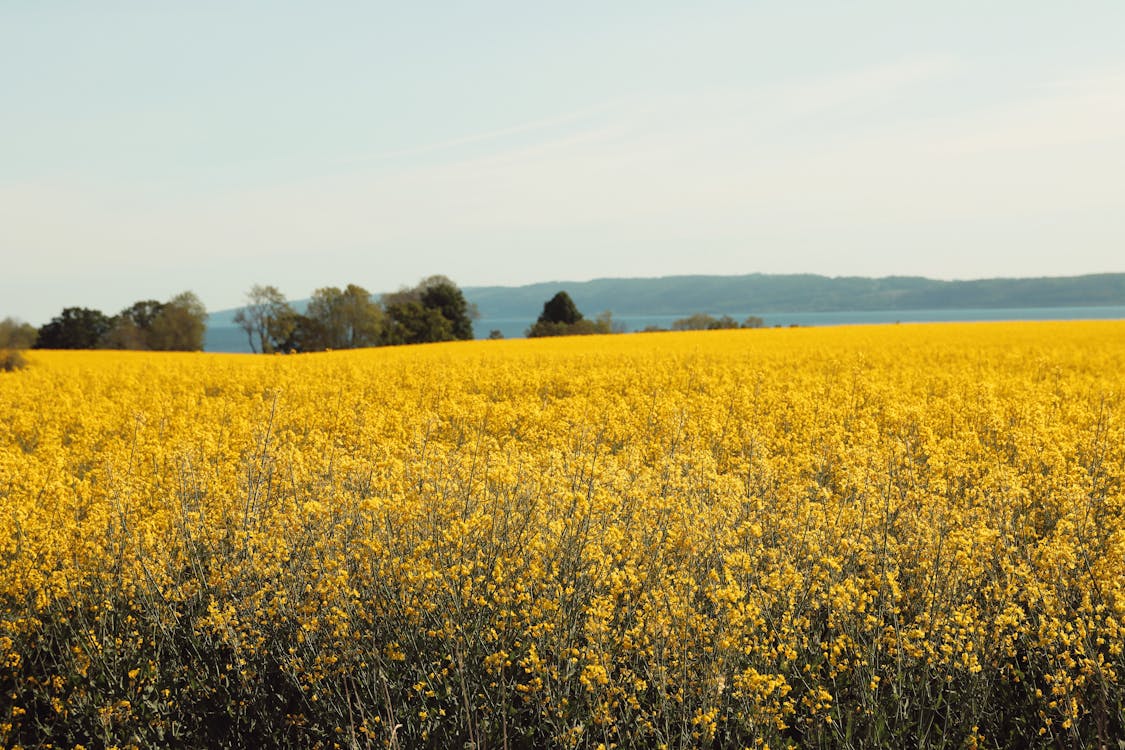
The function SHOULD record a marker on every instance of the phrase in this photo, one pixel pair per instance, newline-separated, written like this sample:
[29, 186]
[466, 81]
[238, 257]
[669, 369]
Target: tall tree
[267, 319]
[342, 319]
[560, 317]
[180, 324]
[74, 328]
[441, 294]
[560, 309]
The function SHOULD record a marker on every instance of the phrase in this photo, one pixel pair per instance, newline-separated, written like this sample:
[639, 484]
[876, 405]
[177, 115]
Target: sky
[151, 148]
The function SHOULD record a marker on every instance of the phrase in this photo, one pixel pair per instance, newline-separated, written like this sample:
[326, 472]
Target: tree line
[349, 318]
[433, 310]
[175, 325]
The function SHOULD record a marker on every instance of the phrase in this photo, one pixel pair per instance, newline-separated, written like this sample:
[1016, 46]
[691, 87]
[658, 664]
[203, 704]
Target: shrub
[11, 359]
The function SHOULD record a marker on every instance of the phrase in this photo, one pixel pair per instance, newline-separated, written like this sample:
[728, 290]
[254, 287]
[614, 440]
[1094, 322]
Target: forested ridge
[676, 295]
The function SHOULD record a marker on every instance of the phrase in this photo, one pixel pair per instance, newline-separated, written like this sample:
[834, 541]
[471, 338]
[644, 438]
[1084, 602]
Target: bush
[582, 327]
[11, 359]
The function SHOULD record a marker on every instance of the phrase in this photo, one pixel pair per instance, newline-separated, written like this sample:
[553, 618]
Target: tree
[143, 313]
[753, 321]
[179, 325]
[132, 327]
[305, 335]
[337, 319]
[441, 294]
[414, 323]
[434, 310]
[268, 319]
[560, 309]
[604, 323]
[74, 328]
[696, 322]
[560, 317]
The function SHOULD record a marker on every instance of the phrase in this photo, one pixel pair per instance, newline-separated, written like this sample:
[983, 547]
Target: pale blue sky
[151, 147]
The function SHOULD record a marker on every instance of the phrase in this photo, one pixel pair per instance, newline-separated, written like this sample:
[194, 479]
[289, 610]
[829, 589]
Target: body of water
[232, 339]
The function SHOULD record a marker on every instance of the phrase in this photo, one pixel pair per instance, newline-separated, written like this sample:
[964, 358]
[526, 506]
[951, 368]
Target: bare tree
[267, 318]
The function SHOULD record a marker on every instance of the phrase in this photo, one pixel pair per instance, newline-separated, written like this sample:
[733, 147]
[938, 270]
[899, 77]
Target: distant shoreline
[226, 338]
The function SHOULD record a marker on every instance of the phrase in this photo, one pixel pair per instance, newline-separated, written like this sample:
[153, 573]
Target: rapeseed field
[895, 536]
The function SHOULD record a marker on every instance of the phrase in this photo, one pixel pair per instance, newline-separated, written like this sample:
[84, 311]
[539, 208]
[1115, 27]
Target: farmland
[871, 536]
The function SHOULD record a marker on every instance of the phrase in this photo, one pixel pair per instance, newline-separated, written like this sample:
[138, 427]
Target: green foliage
[176, 325]
[560, 309]
[583, 327]
[339, 319]
[414, 323]
[434, 310]
[560, 317]
[142, 314]
[74, 328]
[179, 324]
[705, 322]
[132, 327]
[15, 334]
[441, 294]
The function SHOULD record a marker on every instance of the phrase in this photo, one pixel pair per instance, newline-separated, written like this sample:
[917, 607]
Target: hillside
[676, 295]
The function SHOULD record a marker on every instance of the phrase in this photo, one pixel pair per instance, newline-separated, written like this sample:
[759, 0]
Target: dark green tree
[441, 294]
[434, 310]
[75, 328]
[414, 323]
[305, 335]
[560, 317]
[560, 309]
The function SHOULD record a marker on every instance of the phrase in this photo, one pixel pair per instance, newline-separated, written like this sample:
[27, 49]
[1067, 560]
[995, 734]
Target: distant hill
[763, 293]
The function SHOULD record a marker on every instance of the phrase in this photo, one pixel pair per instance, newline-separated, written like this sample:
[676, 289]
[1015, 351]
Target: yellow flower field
[898, 536]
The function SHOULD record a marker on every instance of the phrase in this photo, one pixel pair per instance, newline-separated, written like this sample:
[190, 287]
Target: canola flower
[898, 536]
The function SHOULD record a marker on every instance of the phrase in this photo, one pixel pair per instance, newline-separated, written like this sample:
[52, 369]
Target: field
[895, 536]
